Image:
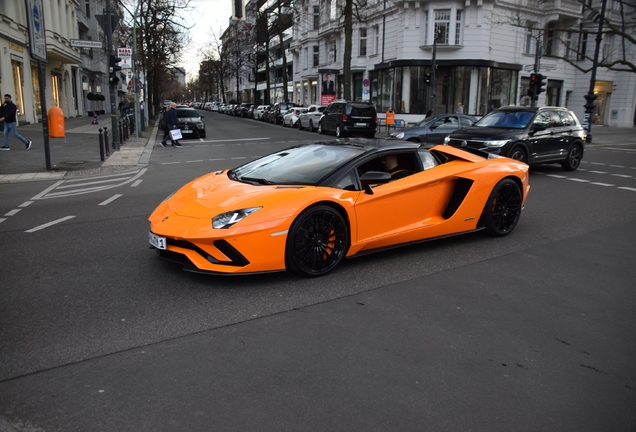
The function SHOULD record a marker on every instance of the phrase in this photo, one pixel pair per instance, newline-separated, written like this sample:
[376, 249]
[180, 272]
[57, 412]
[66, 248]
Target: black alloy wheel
[339, 133]
[311, 126]
[503, 209]
[518, 153]
[320, 129]
[575, 154]
[317, 241]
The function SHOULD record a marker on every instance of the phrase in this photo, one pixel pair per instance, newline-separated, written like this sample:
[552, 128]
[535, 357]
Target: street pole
[537, 67]
[433, 67]
[113, 90]
[135, 71]
[590, 97]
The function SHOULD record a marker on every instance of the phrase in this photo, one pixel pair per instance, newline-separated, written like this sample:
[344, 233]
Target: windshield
[298, 165]
[506, 119]
[187, 113]
[426, 122]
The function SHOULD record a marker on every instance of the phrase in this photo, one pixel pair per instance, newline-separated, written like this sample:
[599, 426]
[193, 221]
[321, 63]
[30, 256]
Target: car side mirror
[373, 177]
[536, 127]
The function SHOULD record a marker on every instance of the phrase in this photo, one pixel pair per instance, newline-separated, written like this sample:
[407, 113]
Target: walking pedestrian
[11, 123]
[172, 122]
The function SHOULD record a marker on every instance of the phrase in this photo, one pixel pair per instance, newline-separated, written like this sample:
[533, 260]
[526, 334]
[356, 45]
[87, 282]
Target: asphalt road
[531, 332]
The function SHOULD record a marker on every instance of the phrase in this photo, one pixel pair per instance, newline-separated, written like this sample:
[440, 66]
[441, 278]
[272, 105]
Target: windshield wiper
[257, 180]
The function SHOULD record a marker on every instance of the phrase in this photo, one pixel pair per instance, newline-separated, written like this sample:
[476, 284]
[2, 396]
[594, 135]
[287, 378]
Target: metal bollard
[106, 138]
[101, 146]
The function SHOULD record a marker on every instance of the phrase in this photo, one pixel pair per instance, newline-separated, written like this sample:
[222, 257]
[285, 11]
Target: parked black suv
[349, 118]
[530, 135]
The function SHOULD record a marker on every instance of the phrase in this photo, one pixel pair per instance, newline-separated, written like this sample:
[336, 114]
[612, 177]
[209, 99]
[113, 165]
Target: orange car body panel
[402, 211]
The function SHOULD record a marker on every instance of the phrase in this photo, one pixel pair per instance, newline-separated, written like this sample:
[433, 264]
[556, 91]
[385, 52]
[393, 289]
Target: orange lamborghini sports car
[306, 208]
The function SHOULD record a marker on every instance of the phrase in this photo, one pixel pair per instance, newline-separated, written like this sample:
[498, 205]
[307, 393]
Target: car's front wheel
[317, 241]
[339, 133]
[311, 126]
[518, 153]
[503, 209]
[320, 129]
[574, 158]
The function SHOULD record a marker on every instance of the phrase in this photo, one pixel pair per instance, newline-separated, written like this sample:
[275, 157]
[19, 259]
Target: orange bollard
[56, 123]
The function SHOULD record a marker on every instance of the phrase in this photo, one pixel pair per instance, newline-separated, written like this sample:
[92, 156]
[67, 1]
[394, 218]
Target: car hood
[484, 133]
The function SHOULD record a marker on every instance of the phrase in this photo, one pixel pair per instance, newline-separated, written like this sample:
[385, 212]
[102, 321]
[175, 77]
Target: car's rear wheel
[575, 154]
[503, 208]
[339, 133]
[317, 241]
[311, 126]
[518, 153]
[300, 125]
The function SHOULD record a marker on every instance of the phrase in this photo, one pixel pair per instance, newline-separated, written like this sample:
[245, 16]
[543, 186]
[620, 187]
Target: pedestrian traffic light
[540, 83]
[427, 78]
[113, 79]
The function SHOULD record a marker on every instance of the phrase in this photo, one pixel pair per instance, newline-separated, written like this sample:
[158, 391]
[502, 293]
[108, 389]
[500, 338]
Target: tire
[311, 126]
[300, 125]
[317, 241]
[503, 209]
[575, 154]
[339, 133]
[518, 153]
[320, 129]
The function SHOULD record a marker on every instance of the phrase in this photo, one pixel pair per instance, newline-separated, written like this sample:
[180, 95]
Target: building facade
[483, 50]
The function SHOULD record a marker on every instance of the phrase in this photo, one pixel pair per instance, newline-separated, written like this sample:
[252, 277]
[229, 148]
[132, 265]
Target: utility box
[56, 122]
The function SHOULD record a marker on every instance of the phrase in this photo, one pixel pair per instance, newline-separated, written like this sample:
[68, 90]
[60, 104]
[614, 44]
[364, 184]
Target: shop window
[18, 98]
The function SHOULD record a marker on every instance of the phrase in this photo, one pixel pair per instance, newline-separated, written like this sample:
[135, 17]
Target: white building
[484, 54]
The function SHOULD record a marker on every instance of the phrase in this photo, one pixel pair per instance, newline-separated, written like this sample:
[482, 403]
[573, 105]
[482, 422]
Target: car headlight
[498, 143]
[398, 135]
[226, 220]
[447, 139]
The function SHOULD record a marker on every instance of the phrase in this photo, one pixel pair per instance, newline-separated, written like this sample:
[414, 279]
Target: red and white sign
[125, 54]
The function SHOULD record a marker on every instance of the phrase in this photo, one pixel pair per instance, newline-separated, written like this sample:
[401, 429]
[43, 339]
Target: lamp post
[135, 71]
[590, 97]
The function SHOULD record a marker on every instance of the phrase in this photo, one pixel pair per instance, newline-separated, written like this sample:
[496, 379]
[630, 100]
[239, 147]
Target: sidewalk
[76, 154]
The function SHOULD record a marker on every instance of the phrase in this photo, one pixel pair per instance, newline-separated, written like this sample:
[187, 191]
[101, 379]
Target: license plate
[185, 131]
[156, 241]
[360, 125]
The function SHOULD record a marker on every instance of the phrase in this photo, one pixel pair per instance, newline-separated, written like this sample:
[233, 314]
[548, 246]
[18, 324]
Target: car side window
[544, 118]
[428, 161]
[566, 118]
[466, 122]
[348, 182]
[449, 123]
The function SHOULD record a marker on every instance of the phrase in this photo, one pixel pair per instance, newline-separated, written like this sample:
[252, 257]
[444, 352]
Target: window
[306, 59]
[458, 27]
[529, 49]
[316, 10]
[332, 51]
[607, 47]
[363, 42]
[550, 46]
[442, 26]
[316, 55]
[333, 9]
[376, 39]
[87, 8]
[582, 44]
[567, 43]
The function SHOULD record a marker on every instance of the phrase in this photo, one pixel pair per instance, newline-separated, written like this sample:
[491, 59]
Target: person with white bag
[172, 125]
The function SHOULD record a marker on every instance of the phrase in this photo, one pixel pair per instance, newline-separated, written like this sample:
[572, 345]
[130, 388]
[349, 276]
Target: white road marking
[622, 175]
[601, 184]
[47, 190]
[617, 166]
[2, 219]
[110, 200]
[243, 157]
[13, 212]
[627, 188]
[597, 163]
[169, 163]
[99, 185]
[579, 180]
[217, 159]
[137, 183]
[46, 225]
[200, 160]
[598, 172]
[556, 176]
[25, 204]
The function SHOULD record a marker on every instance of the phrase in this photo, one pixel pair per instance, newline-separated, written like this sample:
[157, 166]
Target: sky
[206, 16]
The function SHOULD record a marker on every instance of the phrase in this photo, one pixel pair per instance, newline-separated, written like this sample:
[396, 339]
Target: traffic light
[534, 85]
[113, 79]
[238, 10]
[540, 83]
[427, 78]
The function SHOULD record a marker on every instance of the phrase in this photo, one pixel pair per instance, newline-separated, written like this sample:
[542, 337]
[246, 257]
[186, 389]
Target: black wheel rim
[506, 208]
[519, 155]
[575, 157]
[320, 242]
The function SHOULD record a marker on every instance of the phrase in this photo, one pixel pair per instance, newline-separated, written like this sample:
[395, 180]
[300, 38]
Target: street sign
[37, 38]
[125, 54]
[543, 67]
[101, 20]
[79, 43]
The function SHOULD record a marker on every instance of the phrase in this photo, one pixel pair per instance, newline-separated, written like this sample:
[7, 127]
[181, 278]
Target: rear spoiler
[467, 153]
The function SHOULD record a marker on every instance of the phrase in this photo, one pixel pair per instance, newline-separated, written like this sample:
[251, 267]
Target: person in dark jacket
[11, 123]
[172, 122]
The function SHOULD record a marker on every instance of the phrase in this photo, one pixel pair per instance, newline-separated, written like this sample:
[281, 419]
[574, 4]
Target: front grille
[236, 259]
[455, 142]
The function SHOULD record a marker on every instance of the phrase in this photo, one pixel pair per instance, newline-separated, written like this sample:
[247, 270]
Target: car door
[331, 118]
[442, 128]
[541, 142]
[402, 210]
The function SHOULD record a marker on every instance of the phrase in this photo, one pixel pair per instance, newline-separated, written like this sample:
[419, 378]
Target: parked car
[190, 123]
[291, 116]
[278, 110]
[266, 113]
[349, 118]
[434, 129]
[309, 119]
[528, 134]
[313, 193]
[258, 112]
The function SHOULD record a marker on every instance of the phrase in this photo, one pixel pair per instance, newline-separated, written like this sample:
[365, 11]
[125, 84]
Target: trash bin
[56, 122]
